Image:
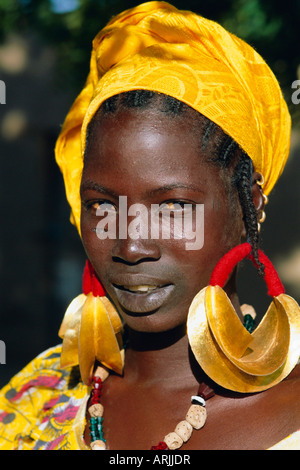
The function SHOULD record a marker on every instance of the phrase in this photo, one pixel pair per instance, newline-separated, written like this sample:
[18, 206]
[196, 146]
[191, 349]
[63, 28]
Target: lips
[141, 295]
[140, 289]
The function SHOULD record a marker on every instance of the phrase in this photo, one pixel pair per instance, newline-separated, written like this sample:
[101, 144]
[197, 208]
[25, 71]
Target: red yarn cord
[274, 284]
[90, 282]
[226, 265]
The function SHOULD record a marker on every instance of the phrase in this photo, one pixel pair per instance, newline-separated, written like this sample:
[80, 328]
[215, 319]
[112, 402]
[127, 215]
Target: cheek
[222, 232]
[224, 220]
[87, 233]
[96, 250]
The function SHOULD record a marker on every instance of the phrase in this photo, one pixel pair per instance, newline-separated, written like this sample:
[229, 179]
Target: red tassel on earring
[90, 282]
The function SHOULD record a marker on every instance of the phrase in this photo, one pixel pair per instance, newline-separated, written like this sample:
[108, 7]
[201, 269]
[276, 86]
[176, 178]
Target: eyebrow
[92, 185]
[170, 187]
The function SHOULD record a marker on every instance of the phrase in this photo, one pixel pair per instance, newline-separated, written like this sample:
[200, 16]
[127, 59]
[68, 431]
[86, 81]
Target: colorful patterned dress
[43, 408]
[40, 408]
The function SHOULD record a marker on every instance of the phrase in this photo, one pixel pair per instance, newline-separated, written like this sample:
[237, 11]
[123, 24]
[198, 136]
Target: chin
[155, 322]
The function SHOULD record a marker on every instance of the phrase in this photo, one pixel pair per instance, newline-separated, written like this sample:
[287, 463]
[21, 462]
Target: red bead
[97, 379]
[160, 446]
[205, 391]
[96, 395]
[97, 387]
[95, 400]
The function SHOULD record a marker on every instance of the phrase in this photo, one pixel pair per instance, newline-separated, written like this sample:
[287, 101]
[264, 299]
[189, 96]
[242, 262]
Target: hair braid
[243, 181]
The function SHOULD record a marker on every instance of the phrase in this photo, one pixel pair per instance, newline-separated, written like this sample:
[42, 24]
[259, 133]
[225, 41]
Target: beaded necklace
[194, 419]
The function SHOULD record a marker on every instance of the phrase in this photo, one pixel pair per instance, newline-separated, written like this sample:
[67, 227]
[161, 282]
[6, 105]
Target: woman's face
[155, 160]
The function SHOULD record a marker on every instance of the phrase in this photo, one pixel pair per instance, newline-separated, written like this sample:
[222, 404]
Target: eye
[175, 206]
[106, 206]
[101, 207]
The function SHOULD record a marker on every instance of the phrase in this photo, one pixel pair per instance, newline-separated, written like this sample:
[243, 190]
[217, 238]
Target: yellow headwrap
[156, 47]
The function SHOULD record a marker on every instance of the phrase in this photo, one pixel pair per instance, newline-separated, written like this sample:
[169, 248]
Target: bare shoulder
[288, 391]
[284, 401]
[254, 422]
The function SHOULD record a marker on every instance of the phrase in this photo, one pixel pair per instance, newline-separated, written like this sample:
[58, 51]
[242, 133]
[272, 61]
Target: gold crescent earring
[226, 351]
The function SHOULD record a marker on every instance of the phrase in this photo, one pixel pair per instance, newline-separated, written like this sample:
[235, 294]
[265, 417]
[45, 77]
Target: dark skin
[156, 159]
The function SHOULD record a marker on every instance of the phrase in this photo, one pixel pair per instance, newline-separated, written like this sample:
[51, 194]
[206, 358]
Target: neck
[159, 357]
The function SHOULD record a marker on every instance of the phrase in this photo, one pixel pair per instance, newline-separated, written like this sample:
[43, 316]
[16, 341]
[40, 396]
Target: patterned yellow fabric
[43, 408]
[156, 47]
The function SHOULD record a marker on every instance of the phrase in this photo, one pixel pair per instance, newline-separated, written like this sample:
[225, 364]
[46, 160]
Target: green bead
[248, 322]
[96, 431]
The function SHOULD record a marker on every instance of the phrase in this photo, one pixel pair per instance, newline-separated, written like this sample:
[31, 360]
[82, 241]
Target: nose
[135, 251]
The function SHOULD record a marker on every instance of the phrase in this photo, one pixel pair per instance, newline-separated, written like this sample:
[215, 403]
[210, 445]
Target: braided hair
[221, 148]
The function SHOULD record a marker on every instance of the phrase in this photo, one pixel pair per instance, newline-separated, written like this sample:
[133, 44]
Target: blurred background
[44, 57]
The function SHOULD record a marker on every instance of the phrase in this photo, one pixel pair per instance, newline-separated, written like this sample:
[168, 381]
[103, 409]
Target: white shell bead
[184, 430]
[198, 400]
[173, 441]
[196, 416]
[98, 445]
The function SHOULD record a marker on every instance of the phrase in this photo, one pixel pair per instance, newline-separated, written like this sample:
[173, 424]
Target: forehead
[145, 138]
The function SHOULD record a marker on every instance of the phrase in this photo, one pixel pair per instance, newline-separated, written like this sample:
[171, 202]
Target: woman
[177, 115]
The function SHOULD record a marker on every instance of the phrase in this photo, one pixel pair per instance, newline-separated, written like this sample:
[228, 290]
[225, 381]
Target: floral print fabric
[39, 406]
